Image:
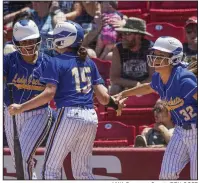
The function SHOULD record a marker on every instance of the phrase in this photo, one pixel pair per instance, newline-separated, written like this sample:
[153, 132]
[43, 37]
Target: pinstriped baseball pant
[181, 149]
[74, 131]
[32, 128]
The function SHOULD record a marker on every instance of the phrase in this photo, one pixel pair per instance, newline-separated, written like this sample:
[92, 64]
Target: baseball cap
[191, 20]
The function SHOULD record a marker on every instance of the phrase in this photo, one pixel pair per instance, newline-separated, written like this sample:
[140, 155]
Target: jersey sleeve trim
[48, 80]
[97, 81]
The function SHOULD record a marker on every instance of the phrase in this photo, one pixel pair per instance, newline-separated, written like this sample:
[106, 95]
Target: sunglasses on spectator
[126, 33]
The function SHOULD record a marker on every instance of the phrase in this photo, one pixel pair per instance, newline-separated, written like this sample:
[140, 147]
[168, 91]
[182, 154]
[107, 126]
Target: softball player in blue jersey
[177, 87]
[22, 69]
[71, 82]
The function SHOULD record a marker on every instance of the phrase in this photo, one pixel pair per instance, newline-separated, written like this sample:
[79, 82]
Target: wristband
[112, 104]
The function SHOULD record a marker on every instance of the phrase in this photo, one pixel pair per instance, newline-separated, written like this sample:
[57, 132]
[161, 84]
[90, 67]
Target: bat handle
[10, 88]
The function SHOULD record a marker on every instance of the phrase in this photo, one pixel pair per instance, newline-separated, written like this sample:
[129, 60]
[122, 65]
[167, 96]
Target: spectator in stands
[12, 8]
[129, 63]
[82, 12]
[108, 35]
[191, 47]
[162, 131]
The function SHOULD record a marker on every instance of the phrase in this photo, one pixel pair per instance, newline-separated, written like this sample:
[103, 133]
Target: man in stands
[191, 46]
[129, 65]
[161, 133]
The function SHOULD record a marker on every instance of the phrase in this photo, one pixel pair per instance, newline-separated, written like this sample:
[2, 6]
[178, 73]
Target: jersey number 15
[82, 78]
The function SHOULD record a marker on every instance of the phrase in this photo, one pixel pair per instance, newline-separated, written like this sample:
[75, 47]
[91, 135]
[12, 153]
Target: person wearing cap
[129, 66]
[177, 88]
[191, 46]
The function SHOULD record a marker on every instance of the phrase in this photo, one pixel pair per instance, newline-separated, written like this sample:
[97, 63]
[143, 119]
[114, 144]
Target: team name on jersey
[27, 83]
[173, 103]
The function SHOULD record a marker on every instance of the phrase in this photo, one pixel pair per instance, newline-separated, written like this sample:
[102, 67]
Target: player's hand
[118, 97]
[120, 103]
[15, 109]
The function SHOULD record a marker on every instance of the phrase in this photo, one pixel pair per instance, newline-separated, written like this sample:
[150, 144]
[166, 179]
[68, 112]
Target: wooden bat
[17, 147]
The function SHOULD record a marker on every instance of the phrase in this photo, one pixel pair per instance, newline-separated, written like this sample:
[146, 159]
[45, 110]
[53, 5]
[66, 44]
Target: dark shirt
[187, 51]
[13, 6]
[134, 64]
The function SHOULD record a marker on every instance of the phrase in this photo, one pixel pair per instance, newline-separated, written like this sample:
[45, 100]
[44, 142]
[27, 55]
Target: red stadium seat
[136, 5]
[142, 101]
[114, 133]
[173, 4]
[174, 16]
[103, 68]
[130, 116]
[134, 9]
[175, 12]
[158, 29]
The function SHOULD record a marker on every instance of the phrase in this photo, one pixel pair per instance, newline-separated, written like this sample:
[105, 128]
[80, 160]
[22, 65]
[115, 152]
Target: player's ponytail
[82, 53]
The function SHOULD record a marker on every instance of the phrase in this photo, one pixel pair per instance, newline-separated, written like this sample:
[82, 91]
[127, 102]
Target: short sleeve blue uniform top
[74, 80]
[178, 93]
[24, 76]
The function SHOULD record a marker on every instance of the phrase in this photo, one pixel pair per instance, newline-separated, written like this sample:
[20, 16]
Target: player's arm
[77, 10]
[105, 99]
[101, 93]
[189, 87]
[43, 98]
[195, 96]
[141, 89]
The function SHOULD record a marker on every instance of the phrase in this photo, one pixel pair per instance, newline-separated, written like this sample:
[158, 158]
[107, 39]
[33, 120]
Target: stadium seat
[175, 12]
[142, 101]
[114, 133]
[130, 116]
[134, 9]
[103, 68]
[125, 5]
[158, 29]
[173, 4]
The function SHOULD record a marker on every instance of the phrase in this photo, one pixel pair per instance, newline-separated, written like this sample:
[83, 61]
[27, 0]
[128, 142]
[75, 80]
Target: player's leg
[193, 152]
[36, 126]
[175, 157]
[8, 124]
[82, 151]
[61, 138]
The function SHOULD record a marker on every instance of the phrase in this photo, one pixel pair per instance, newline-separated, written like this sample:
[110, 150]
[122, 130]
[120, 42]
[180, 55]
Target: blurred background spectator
[108, 36]
[161, 132]
[191, 46]
[129, 64]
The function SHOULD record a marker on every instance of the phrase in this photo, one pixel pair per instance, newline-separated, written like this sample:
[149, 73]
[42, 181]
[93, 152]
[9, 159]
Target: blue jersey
[74, 80]
[24, 76]
[178, 93]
